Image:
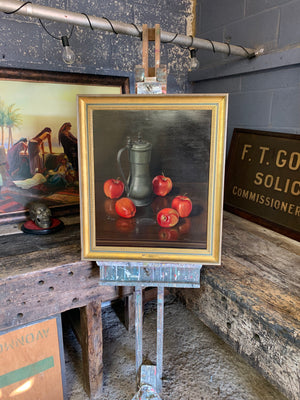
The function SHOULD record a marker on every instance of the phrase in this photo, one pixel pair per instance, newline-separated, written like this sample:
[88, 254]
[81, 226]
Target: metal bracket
[149, 274]
[147, 387]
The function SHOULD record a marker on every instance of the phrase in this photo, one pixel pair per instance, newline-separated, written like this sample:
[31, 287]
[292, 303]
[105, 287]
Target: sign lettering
[263, 179]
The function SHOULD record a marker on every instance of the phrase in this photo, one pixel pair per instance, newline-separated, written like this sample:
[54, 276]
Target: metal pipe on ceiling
[104, 24]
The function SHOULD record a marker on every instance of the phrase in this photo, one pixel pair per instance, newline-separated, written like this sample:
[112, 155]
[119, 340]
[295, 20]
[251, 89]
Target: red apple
[162, 185]
[167, 217]
[113, 188]
[125, 207]
[183, 205]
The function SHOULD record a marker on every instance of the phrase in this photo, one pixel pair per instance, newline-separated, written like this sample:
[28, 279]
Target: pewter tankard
[138, 185]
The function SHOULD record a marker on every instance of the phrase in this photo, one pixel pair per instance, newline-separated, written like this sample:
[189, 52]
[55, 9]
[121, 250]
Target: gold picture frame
[186, 138]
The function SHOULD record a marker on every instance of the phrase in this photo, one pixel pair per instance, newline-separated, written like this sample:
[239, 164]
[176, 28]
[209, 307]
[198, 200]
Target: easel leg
[138, 330]
[149, 377]
[160, 337]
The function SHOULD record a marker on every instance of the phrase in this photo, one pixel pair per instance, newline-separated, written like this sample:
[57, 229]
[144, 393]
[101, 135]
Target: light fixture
[68, 54]
[194, 63]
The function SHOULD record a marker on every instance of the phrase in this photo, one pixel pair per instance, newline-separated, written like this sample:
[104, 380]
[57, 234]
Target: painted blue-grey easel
[142, 275]
[149, 274]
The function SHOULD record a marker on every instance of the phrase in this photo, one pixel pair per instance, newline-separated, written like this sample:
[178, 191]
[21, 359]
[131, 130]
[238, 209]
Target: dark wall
[263, 92]
[25, 44]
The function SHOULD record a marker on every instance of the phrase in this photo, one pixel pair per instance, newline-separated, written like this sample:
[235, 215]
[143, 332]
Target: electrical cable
[172, 40]
[89, 21]
[113, 29]
[212, 44]
[191, 45]
[21, 6]
[55, 37]
[250, 55]
[139, 32]
[229, 49]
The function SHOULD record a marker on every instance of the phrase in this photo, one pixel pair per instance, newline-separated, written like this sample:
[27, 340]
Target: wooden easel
[151, 80]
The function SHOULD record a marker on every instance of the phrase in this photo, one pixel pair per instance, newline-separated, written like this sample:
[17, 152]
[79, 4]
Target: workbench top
[253, 300]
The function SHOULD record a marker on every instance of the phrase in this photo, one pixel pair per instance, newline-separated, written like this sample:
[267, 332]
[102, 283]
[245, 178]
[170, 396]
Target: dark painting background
[180, 149]
[180, 140]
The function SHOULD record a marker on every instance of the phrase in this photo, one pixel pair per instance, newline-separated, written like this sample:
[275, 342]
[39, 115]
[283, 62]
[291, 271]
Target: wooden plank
[252, 300]
[129, 313]
[23, 253]
[157, 47]
[145, 49]
[31, 297]
[92, 347]
[269, 255]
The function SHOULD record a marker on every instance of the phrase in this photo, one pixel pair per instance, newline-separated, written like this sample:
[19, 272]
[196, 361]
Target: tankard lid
[140, 144]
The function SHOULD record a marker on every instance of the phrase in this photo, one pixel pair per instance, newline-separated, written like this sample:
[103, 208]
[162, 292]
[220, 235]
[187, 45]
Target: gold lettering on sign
[295, 157]
[245, 150]
[277, 183]
[293, 161]
[266, 201]
[263, 152]
[294, 191]
[280, 162]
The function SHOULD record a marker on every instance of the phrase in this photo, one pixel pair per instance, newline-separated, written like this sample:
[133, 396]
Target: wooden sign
[263, 180]
[31, 362]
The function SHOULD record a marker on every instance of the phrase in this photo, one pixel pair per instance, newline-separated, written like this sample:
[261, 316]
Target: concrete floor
[197, 364]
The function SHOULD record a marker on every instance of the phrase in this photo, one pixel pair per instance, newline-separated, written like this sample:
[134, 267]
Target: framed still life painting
[151, 177]
[38, 138]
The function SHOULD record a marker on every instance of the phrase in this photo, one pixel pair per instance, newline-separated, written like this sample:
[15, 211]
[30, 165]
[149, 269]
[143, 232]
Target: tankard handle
[121, 169]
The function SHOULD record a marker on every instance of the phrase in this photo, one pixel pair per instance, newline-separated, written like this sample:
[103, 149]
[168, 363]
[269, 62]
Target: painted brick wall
[24, 43]
[260, 97]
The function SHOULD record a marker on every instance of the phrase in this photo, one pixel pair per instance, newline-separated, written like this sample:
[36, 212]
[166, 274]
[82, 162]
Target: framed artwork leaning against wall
[131, 142]
[38, 138]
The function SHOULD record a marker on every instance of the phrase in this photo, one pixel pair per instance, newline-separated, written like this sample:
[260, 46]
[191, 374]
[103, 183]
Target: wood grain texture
[92, 347]
[130, 313]
[252, 300]
[44, 275]
[41, 276]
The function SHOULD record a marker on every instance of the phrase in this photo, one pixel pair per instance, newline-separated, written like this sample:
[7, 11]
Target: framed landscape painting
[38, 138]
[149, 150]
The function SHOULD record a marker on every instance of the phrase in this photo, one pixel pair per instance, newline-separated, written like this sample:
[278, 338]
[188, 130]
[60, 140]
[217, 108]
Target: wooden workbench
[253, 300]
[43, 275]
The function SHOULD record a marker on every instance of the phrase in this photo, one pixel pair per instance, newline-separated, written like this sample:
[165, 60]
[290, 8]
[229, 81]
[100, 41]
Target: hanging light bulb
[194, 63]
[68, 54]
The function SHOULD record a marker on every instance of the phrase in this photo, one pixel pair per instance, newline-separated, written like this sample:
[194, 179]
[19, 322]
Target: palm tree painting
[2, 120]
[36, 165]
[13, 120]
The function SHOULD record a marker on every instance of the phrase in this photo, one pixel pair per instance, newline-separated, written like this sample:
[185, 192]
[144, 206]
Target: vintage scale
[148, 274]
